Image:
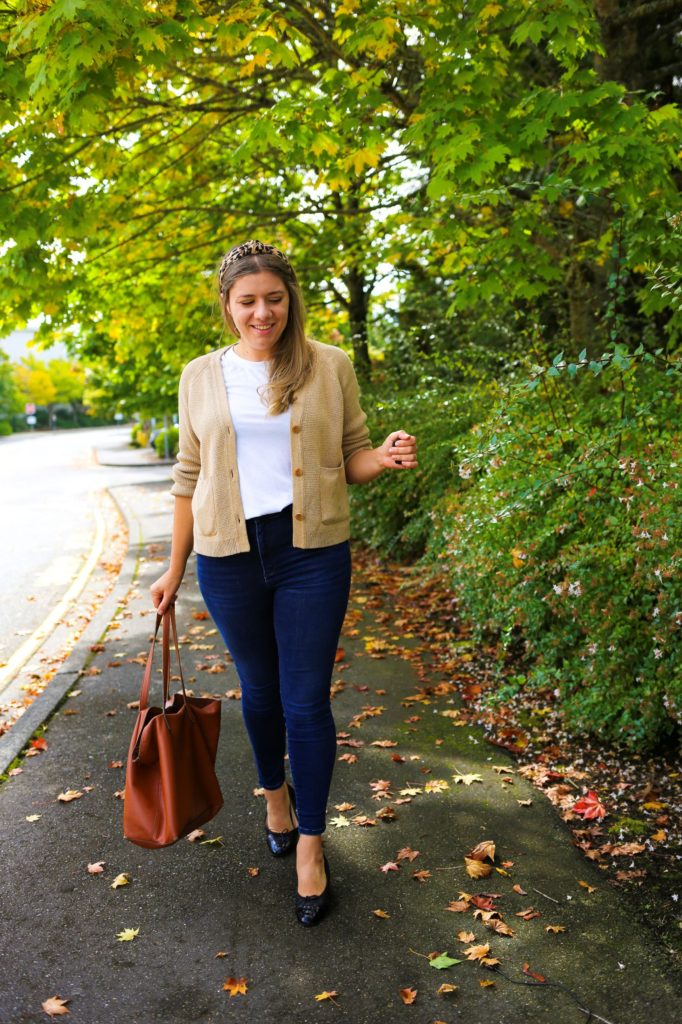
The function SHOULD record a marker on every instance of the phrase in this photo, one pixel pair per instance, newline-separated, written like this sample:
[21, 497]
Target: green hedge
[555, 513]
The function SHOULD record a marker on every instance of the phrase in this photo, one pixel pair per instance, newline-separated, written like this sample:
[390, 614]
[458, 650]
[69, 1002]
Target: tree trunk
[358, 309]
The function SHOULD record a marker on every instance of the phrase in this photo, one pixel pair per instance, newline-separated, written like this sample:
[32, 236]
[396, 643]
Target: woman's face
[259, 306]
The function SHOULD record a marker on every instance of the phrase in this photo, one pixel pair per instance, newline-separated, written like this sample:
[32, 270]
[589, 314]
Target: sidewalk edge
[46, 704]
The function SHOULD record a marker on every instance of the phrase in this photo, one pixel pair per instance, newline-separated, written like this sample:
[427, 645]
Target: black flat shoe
[311, 909]
[281, 843]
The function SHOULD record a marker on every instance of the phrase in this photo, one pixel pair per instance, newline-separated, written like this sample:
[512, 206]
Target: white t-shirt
[263, 442]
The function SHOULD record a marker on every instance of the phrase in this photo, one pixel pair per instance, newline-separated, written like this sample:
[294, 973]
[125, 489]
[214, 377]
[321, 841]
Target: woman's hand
[164, 590]
[399, 451]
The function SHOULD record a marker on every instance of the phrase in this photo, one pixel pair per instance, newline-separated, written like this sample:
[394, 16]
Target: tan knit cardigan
[327, 427]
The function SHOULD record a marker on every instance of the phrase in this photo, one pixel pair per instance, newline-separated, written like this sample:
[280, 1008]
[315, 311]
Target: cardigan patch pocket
[334, 507]
[203, 508]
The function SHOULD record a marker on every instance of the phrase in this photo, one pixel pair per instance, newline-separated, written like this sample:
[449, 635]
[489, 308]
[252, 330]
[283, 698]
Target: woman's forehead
[258, 283]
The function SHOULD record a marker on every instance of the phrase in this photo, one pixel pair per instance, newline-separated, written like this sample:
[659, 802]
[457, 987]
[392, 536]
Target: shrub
[5, 428]
[566, 527]
[173, 442]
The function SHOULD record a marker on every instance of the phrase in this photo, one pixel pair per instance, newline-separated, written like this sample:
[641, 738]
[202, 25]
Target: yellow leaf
[122, 879]
[660, 836]
[326, 995]
[381, 913]
[477, 869]
[128, 934]
[32, 817]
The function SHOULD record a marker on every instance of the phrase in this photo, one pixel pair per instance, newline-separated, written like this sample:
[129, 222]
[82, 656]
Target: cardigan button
[298, 472]
[299, 516]
[296, 429]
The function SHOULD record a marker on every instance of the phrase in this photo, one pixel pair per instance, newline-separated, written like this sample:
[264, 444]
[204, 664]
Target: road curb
[13, 742]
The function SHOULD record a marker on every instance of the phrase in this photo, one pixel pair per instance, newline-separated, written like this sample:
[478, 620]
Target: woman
[271, 433]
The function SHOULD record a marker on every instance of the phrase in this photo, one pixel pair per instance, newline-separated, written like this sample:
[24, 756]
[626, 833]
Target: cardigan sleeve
[355, 433]
[186, 469]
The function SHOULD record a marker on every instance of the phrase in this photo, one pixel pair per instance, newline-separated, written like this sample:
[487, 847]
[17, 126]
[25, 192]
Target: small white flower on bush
[464, 471]
[575, 588]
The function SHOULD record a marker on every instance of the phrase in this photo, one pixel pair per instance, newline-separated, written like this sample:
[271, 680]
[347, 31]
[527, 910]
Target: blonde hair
[294, 356]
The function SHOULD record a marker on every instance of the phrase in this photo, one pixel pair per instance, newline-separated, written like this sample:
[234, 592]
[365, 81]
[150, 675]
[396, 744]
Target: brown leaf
[483, 850]
[458, 906]
[254, 872]
[528, 914]
[97, 868]
[627, 849]
[487, 984]
[445, 989]
[500, 927]
[381, 913]
[198, 833]
[517, 888]
[555, 928]
[532, 974]
[55, 1006]
[200, 615]
[345, 806]
[407, 854]
[383, 743]
[466, 936]
[408, 995]
[421, 876]
[68, 795]
[116, 764]
[387, 814]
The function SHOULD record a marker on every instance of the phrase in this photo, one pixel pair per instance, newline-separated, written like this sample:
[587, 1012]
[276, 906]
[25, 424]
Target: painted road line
[35, 641]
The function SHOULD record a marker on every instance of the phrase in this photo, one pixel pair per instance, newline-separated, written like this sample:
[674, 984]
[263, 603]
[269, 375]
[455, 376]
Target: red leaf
[590, 806]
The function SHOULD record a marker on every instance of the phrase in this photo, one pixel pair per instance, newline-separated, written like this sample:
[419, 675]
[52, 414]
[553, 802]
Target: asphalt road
[51, 485]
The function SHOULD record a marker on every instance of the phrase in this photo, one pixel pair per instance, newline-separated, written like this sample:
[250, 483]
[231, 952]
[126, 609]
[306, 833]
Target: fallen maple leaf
[33, 817]
[69, 794]
[500, 927]
[389, 866]
[555, 928]
[340, 821]
[589, 806]
[487, 984]
[55, 1006]
[436, 786]
[528, 914]
[532, 974]
[442, 961]
[477, 869]
[586, 885]
[97, 868]
[445, 989]
[253, 872]
[40, 744]
[467, 779]
[235, 986]
[421, 876]
[466, 936]
[458, 906]
[381, 913]
[483, 850]
[627, 849]
[327, 995]
[344, 806]
[383, 743]
[196, 834]
[199, 615]
[408, 995]
[519, 890]
[123, 879]
[476, 952]
[128, 934]
[407, 854]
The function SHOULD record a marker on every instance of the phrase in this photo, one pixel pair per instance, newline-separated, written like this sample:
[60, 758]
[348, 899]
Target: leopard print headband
[250, 248]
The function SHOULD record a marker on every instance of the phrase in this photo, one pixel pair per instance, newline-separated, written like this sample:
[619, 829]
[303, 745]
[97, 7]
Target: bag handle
[168, 619]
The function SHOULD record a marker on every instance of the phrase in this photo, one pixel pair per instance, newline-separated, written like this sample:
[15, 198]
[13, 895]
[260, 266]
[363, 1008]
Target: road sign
[30, 408]
[31, 420]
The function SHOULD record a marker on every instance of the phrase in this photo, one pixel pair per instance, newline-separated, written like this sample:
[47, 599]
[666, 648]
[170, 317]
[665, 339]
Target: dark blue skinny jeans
[279, 610]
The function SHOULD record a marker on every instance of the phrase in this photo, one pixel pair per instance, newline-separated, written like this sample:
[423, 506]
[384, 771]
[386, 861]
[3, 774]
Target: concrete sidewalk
[192, 902]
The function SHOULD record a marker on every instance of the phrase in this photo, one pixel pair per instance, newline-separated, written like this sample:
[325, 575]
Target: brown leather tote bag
[171, 785]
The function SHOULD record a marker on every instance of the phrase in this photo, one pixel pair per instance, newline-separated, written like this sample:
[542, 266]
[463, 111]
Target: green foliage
[5, 428]
[568, 526]
[173, 442]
